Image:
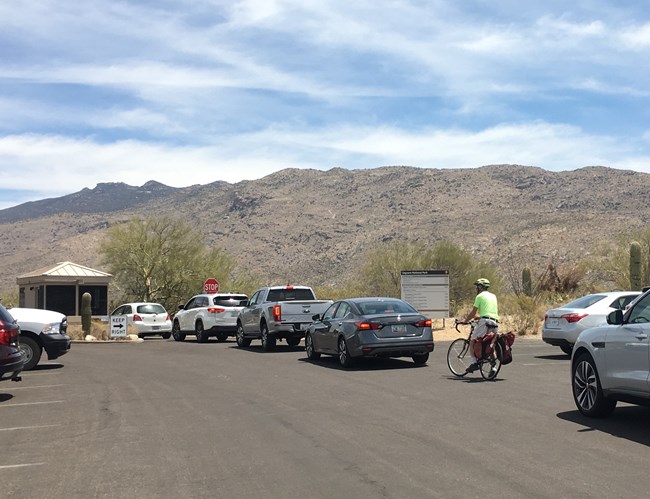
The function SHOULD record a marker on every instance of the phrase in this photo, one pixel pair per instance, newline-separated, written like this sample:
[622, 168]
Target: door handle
[340, 323]
[641, 336]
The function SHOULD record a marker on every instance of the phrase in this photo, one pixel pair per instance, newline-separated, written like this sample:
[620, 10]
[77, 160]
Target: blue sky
[198, 91]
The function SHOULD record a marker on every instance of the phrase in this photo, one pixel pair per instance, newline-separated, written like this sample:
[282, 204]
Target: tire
[312, 354]
[458, 357]
[587, 391]
[293, 342]
[567, 349]
[490, 367]
[221, 337]
[199, 331]
[268, 340]
[344, 354]
[421, 358]
[242, 341]
[176, 332]
[166, 336]
[31, 352]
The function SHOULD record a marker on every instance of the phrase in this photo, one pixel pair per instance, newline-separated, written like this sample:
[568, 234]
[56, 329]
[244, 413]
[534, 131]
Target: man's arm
[471, 315]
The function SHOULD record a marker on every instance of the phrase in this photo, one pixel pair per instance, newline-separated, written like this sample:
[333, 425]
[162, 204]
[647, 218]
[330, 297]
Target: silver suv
[611, 362]
[208, 315]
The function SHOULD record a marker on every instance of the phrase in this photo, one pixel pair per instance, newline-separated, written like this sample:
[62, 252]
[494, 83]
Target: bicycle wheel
[458, 356]
[490, 367]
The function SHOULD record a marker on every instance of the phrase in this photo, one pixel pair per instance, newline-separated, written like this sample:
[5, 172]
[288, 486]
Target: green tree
[380, 274]
[162, 260]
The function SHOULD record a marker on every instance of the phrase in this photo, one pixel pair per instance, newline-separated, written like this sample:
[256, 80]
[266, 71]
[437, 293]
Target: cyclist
[486, 308]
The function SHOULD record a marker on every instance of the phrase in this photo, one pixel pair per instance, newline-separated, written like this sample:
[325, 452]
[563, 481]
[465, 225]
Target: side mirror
[315, 317]
[615, 318]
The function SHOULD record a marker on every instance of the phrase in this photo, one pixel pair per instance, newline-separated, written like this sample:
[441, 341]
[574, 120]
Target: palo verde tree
[161, 260]
[380, 274]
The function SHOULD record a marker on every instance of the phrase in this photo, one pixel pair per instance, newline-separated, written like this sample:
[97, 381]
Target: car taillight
[277, 312]
[168, 318]
[424, 323]
[216, 310]
[8, 335]
[367, 326]
[137, 318]
[574, 317]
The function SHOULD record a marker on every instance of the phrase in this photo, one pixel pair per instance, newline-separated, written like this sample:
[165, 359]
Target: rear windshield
[230, 300]
[584, 302]
[385, 307]
[286, 294]
[151, 308]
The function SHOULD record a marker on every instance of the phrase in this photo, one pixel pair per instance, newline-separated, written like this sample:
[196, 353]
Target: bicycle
[458, 355]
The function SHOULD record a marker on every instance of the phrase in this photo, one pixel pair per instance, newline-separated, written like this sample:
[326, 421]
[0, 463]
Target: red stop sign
[211, 286]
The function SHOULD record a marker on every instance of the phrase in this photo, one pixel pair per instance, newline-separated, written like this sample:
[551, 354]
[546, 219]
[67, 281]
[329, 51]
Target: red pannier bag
[483, 345]
[506, 342]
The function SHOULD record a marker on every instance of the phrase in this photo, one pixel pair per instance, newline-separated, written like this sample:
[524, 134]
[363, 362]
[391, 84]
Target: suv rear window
[290, 294]
[230, 300]
[5, 316]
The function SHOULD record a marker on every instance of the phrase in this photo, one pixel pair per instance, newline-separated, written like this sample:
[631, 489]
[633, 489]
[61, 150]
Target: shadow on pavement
[4, 397]
[367, 364]
[627, 421]
[45, 367]
[281, 348]
[561, 356]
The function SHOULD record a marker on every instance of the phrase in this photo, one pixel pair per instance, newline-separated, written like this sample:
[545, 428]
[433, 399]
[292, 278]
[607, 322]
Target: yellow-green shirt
[486, 304]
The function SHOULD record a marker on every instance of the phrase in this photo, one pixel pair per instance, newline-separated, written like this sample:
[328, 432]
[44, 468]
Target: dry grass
[100, 330]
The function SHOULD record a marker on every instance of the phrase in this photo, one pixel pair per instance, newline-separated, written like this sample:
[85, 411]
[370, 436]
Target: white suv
[208, 315]
[611, 362]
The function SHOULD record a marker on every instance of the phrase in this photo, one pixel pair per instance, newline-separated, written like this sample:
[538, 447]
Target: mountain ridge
[316, 226]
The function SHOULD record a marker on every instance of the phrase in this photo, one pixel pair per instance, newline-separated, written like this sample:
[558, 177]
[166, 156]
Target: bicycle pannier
[483, 345]
[506, 346]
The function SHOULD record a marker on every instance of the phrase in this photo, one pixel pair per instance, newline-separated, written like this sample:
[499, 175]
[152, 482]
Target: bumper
[147, 329]
[290, 330]
[394, 350]
[558, 342]
[55, 345]
[11, 370]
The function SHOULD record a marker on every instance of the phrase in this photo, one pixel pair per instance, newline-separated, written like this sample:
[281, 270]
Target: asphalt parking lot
[167, 419]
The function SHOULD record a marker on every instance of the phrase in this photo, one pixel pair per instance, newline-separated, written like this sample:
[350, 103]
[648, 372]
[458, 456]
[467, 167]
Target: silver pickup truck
[278, 312]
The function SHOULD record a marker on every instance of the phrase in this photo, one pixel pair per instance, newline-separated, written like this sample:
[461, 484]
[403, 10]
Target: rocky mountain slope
[315, 227]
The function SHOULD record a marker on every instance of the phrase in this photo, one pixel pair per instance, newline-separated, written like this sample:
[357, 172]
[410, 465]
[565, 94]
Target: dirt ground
[444, 330]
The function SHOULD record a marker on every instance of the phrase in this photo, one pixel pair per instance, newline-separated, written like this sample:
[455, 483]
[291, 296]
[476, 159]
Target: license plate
[155, 328]
[398, 328]
[553, 323]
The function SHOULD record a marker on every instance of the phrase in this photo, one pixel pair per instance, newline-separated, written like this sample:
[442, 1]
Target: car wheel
[312, 354]
[567, 349]
[31, 352]
[587, 391]
[221, 337]
[421, 358]
[165, 336]
[293, 342]
[176, 332]
[201, 335]
[242, 341]
[344, 354]
[268, 340]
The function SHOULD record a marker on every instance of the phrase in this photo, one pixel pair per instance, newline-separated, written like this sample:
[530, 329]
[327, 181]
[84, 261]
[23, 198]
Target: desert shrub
[521, 314]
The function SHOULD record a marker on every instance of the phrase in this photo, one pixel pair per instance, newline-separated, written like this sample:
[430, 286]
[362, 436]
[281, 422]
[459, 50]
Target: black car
[11, 358]
[370, 327]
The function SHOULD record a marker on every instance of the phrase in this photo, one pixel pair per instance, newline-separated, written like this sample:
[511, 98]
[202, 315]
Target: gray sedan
[370, 327]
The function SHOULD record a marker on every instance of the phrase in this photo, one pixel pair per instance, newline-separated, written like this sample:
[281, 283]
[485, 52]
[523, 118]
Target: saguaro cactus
[636, 275]
[86, 312]
[527, 282]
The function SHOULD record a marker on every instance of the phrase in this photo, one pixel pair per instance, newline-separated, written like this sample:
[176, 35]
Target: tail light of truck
[216, 310]
[277, 313]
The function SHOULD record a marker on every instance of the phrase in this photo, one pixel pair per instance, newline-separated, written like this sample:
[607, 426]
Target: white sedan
[563, 325]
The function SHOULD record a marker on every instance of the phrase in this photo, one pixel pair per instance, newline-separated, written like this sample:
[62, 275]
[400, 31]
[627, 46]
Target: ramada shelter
[61, 286]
